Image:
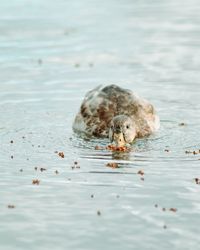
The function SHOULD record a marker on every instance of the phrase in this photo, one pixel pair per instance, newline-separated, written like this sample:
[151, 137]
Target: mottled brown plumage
[102, 104]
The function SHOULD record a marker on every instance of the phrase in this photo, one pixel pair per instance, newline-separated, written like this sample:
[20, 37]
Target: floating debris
[172, 209]
[11, 206]
[112, 165]
[43, 169]
[98, 213]
[112, 148]
[194, 152]
[182, 124]
[35, 182]
[75, 165]
[141, 172]
[61, 154]
[11, 141]
[115, 148]
[56, 172]
[197, 180]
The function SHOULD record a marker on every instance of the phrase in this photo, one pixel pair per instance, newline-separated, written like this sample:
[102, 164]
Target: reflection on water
[51, 55]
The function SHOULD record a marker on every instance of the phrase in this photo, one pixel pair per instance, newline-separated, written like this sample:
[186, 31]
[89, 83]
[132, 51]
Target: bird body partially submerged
[111, 110]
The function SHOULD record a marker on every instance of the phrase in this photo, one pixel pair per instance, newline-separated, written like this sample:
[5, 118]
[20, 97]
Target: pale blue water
[51, 54]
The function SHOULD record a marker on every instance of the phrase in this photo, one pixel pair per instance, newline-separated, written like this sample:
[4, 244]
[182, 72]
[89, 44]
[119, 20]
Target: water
[51, 54]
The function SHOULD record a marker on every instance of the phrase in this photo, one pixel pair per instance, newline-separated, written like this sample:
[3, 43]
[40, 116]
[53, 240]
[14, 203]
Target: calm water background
[51, 54]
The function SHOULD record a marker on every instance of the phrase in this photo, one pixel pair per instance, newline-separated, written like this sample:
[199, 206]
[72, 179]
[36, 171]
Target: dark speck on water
[35, 182]
[197, 180]
[11, 206]
[182, 124]
[43, 169]
[40, 61]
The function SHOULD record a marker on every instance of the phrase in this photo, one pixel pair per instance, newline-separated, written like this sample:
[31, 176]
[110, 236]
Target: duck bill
[119, 139]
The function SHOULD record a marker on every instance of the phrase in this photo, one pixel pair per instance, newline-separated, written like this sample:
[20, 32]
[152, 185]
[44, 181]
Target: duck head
[122, 130]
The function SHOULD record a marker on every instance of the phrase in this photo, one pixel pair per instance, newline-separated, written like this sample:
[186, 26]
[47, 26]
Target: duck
[116, 113]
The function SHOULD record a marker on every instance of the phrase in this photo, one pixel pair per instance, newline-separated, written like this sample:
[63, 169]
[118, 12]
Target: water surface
[51, 54]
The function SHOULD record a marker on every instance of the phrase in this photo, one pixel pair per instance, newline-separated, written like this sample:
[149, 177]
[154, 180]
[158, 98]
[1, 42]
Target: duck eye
[127, 126]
